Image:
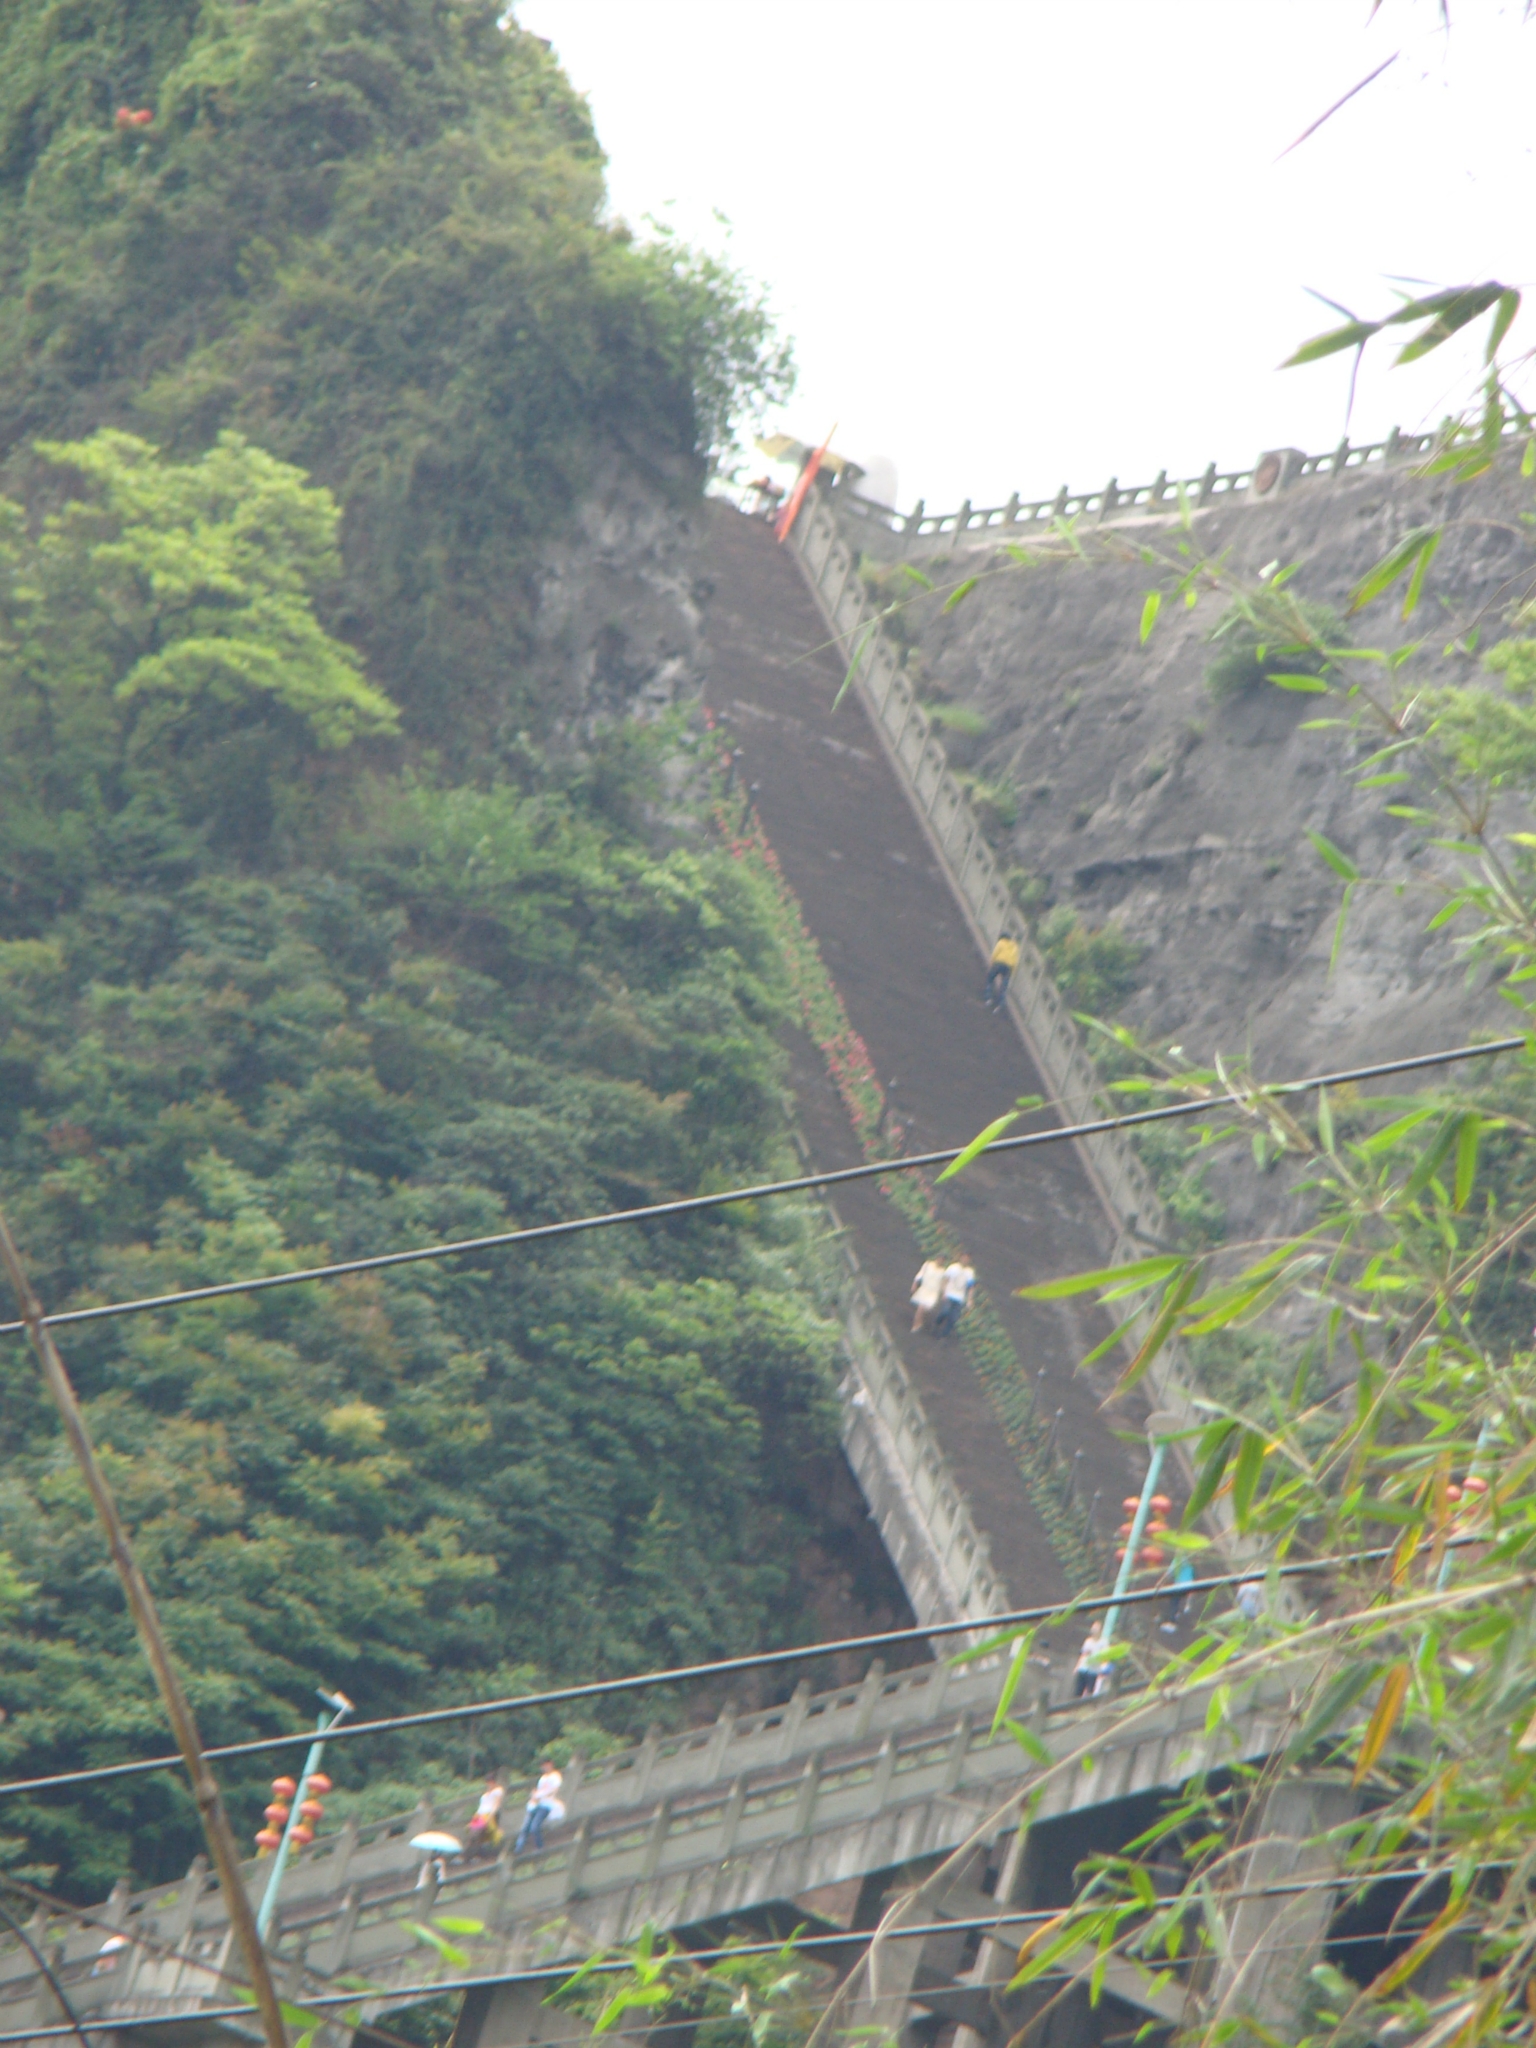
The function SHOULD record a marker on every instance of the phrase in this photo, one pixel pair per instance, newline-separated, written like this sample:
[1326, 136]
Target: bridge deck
[724, 1821]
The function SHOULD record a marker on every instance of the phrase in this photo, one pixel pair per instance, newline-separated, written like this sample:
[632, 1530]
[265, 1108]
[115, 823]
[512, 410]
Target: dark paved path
[910, 974]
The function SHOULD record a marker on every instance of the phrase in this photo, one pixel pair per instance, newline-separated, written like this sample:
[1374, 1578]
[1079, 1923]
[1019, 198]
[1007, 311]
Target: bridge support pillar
[515, 2016]
[1277, 1935]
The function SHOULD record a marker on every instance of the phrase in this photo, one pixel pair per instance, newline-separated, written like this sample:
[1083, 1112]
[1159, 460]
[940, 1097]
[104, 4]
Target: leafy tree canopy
[186, 582]
[370, 237]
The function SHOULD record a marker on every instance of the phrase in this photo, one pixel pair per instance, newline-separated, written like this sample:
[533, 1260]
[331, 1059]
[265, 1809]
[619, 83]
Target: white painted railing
[918, 530]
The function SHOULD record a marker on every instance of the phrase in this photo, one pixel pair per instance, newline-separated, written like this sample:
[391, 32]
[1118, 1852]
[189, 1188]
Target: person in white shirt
[926, 1286]
[1093, 1667]
[959, 1279]
[544, 1805]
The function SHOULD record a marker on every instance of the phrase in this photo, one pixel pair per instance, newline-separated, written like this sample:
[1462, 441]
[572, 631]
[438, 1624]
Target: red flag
[803, 482]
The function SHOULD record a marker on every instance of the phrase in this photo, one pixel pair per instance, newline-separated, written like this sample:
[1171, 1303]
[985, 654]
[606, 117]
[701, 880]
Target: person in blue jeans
[544, 1805]
[959, 1279]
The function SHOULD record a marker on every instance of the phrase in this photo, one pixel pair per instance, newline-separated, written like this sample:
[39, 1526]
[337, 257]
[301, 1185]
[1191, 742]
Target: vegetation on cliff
[296, 962]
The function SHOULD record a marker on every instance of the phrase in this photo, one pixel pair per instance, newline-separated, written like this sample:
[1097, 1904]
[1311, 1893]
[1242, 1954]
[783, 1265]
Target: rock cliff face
[1142, 800]
[619, 619]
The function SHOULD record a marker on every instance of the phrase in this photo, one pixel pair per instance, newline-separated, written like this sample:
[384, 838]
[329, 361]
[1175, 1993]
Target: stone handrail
[943, 1560]
[1135, 1210]
[1273, 471]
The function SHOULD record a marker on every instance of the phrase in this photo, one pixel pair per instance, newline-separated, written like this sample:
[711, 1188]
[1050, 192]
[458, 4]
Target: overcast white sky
[1019, 244]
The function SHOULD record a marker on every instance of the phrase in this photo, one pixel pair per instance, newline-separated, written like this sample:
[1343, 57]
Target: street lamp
[1162, 1428]
[340, 1707]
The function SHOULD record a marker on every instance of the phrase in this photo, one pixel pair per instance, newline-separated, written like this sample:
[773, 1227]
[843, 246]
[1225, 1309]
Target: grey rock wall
[1142, 800]
[618, 622]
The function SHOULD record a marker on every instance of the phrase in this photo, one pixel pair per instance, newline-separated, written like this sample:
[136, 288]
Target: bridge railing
[757, 1827]
[919, 529]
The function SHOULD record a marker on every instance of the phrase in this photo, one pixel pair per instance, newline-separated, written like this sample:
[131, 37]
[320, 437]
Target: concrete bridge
[810, 1813]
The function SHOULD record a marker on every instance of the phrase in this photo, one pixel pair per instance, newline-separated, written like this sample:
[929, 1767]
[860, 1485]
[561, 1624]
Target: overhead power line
[555, 1973]
[689, 1205]
[723, 1667]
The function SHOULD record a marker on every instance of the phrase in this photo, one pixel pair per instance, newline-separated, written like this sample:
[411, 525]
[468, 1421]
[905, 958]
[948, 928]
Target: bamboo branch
[141, 1605]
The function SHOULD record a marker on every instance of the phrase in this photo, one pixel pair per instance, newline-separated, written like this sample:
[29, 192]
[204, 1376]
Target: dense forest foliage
[294, 379]
[369, 235]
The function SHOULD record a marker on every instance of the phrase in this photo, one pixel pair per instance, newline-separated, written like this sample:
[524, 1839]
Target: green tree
[373, 241]
[196, 581]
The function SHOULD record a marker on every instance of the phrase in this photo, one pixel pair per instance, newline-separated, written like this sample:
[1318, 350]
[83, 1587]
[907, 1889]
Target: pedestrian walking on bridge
[1005, 957]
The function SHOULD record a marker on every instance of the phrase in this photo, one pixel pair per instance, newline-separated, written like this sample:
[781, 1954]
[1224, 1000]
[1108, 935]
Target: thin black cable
[693, 1204]
[597, 1688]
[161, 1951]
[74, 2027]
[616, 1965]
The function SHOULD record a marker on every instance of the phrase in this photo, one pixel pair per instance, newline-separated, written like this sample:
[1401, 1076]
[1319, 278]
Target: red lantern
[268, 1840]
[1476, 1485]
[311, 1809]
[1131, 1505]
[284, 1788]
[317, 1782]
[1125, 1528]
[278, 1815]
[1453, 1493]
[302, 1836]
[1161, 1502]
[1153, 1555]
[1120, 1552]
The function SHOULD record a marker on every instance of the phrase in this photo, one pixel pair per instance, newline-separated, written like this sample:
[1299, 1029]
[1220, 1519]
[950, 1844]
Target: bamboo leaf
[1162, 1324]
[1354, 334]
[1313, 683]
[1325, 1121]
[1117, 1279]
[1452, 311]
[1340, 863]
[1394, 1690]
[1467, 1136]
[1336, 1700]
[961, 592]
[1029, 1742]
[1209, 1476]
[1433, 1158]
[1018, 1664]
[456, 1956]
[1149, 612]
[1416, 580]
[979, 1143]
[1392, 565]
[1338, 929]
[860, 649]
[1245, 1474]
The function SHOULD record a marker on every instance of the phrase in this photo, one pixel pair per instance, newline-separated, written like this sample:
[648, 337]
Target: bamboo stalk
[141, 1605]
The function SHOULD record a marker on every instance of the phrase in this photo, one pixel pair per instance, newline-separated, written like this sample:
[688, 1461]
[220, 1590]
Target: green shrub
[1095, 970]
[957, 718]
[1244, 659]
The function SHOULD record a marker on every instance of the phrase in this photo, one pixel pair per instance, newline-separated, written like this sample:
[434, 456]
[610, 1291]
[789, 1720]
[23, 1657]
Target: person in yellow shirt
[1005, 957]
